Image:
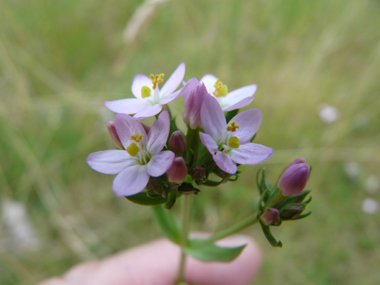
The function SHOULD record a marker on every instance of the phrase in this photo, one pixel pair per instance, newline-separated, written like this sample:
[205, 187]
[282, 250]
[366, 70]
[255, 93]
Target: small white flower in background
[372, 184]
[327, 113]
[16, 219]
[370, 206]
[352, 170]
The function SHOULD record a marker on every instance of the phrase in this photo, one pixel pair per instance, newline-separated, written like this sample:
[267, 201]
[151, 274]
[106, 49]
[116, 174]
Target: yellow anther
[133, 149]
[145, 91]
[233, 142]
[220, 89]
[137, 137]
[158, 78]
[231, 127]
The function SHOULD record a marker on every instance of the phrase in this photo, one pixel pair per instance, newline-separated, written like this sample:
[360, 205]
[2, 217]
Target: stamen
[233, 142]
[137, 137]
[158, 78]
[220, 89]
[145, 91]
[231, 127]
[133, 149]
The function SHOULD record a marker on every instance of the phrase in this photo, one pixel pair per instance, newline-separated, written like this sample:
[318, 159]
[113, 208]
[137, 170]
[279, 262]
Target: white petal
[139, 81]
[224, 162]
[126, 106]
[160, 163]
[148, 111]
[174, 81]
[110, 161]
[209, 80]
[131, 180]
[232, 100]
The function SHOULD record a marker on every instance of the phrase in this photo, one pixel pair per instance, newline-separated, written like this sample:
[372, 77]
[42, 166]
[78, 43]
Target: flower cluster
[164, 160]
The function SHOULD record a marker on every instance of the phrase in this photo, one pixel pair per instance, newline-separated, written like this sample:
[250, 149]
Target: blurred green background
[60, 60]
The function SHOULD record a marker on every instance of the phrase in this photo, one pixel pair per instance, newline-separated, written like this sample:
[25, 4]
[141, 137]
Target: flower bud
[296, 161]
[270, 216]
[178, 171]
[177, 142]
[112, 130]
[294, 179]
[193, 96]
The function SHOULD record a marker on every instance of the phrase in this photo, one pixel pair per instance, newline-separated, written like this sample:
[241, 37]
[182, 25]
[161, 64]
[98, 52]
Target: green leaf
[167, 223]
[143, 199]
[270, 237]
[212, 252]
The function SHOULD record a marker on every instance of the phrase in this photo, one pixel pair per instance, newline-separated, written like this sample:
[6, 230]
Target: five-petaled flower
[236, 99]
[143, 156]
[149, 98]
[230, 143]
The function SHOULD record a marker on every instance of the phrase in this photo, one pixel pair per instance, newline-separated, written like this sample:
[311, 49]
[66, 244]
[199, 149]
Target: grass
[60, 60]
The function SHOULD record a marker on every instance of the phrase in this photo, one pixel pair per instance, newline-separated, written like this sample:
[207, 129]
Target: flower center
[220, 89]
[136, 148]
[137, 137]
[158, 78]
[231, 127]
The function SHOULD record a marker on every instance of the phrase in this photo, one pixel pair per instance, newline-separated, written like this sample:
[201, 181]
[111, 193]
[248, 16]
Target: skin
[156, 263]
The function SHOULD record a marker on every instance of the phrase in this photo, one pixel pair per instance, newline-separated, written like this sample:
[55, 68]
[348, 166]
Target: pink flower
[294, 178]
[230, 143]
[143, 156]
[194, 93]
[149, 98]
[228, 100]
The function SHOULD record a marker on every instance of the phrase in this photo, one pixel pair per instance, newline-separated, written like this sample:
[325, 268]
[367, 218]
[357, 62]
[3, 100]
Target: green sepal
[167, 223]
[188, 189]
[301, 216]
[143, 199]
[231, 114]
[269, 236]
[172, 197]
[212, 252]
[212, 183]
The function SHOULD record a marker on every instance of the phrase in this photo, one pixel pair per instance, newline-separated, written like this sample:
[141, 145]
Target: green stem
[186, 218]
[251, 220]
[192, 140]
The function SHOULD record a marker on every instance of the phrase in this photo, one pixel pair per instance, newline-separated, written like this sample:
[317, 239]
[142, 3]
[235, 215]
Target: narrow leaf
[270, 237]
[212, 252]
[167, 223]
[143, 199]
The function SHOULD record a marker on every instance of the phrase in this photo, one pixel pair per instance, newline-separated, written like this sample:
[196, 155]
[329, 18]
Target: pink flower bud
[177, 142]
[193, 96]
[294, 179]
[270, 216]
[112, 130]
[296, 161]
[178, 171]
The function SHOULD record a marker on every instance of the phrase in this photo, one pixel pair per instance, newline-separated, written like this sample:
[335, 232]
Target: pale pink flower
[230, 143]
[143, 156]
[236, 99]
[149, 98]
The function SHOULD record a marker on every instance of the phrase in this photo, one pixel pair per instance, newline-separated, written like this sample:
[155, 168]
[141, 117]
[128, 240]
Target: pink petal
[148, 111]
[251, 153]
[192, 113]
[131, 180]
[126, 126]
[171, 97]
[224, 162]
[208, 142]
[110, 161]
[160, 163]
[249, 122]
[139, 81]
[238, 98]
[188, 88]
[126, 106]
[174, 81]
[213, 120]
[209, 80]
[158, 133]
